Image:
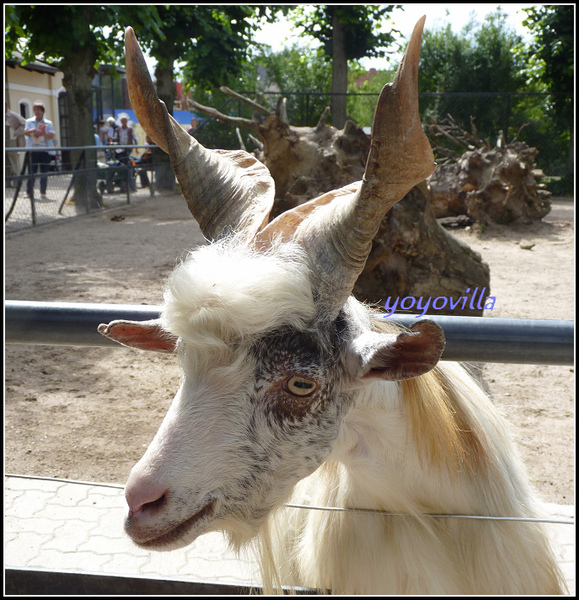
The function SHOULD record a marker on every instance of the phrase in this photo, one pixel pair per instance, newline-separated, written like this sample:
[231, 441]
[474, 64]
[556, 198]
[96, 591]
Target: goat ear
[144, 335]
[396, 357]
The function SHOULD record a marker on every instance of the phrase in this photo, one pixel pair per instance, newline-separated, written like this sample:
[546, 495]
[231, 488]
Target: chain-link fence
[521, 115]
[42, 193]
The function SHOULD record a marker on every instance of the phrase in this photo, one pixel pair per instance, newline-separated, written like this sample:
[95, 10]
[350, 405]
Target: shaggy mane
[440, 425]
[226, 292]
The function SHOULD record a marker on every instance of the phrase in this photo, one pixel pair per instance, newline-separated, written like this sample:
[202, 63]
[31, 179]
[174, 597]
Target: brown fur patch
[440, 426]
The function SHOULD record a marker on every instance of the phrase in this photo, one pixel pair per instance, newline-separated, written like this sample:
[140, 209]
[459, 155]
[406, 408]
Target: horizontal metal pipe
[469, 339]
[100, 148]
[67, 323]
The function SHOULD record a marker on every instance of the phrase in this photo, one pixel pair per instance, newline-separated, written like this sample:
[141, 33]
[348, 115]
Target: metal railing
[468, 339]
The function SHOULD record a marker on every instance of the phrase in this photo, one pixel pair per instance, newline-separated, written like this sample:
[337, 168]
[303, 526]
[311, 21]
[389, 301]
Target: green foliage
[491, 60]
[303, 78]
[364, 97]
[293, 70]
[57, 33]
[561, 185]
[479, 59]
[552, 50]
[347, 32]
[211, 43]
[361, 27]
[212, 133]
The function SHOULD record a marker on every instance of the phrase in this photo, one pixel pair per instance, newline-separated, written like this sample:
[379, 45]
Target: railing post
[508, 117]
[31, 195]
[25, 165]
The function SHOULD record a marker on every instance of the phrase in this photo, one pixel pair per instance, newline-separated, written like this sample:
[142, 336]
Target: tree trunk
[165, 177]
[78, 74]
[412, 255]
[496, 186]
[339, 73]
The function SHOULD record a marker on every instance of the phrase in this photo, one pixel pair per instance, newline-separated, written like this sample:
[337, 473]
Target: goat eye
[300, 386]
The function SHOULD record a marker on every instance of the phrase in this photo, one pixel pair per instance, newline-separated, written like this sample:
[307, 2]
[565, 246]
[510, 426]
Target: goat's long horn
[225, 190]
[337, 229]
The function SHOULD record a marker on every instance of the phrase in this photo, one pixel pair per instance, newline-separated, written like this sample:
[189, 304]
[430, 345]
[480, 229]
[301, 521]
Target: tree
[293, 70]
[480, 59]
[362, 102]
[71, 37]
[411, 254]
[346, 33]
[553, 28]
[212, 41]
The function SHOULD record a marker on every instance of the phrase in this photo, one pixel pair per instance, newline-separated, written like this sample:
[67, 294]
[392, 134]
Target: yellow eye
[300, 386]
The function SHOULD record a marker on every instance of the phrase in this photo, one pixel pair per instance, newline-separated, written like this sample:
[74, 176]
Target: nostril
[148, 507]
[158, 503]
[145, 498]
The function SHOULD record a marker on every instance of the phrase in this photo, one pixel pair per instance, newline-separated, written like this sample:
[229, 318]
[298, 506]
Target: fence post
[508, 117]
[25, 165]
[30, 175]
[128, 175]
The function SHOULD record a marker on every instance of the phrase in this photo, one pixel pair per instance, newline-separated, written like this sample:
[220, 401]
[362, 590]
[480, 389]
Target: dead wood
[486, 184]
[412, 255]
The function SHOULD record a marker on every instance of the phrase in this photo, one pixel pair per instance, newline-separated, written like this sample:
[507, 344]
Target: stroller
[118, 173]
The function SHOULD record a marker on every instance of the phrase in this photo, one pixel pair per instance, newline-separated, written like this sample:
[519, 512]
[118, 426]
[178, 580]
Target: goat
[293, 390]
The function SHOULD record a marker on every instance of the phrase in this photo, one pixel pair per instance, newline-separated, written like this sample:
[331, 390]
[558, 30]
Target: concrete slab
[66, 526]
[72, 526]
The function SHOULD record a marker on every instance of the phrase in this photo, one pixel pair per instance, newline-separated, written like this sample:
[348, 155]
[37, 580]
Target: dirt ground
[89, 413]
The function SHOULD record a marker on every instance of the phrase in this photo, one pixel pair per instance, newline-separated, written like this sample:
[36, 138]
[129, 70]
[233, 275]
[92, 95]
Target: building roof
[38, 66]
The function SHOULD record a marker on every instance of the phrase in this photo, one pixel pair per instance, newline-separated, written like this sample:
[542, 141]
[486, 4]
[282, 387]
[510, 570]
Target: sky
[279, 34]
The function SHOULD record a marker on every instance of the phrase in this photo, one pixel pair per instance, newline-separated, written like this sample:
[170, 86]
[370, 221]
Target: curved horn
[225, 190]
[337, 229]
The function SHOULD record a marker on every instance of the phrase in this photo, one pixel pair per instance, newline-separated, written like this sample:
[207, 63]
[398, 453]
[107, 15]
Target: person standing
[193, 127]
[39, 133]
[14, 138]
[103, 132]
[125, 135]
[111, 130]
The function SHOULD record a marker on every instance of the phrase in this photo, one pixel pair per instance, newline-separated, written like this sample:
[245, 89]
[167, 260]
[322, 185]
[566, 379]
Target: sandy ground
[89, 413]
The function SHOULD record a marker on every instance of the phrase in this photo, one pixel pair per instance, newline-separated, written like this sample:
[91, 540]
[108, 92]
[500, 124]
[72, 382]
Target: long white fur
[376, 464]
[435, 444]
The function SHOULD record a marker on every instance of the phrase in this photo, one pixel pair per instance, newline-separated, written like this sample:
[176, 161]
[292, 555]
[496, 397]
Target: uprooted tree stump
[412, 254]
[487, 184]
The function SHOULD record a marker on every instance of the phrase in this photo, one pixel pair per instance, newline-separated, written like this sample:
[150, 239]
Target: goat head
[271, 344]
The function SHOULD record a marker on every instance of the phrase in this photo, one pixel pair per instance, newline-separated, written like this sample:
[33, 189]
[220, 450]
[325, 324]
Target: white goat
[294, 390]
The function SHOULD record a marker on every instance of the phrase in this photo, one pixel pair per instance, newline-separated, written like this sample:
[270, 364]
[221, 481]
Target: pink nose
[144, 495]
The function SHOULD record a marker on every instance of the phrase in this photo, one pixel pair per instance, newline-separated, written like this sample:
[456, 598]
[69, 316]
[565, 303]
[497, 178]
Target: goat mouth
[157, 539]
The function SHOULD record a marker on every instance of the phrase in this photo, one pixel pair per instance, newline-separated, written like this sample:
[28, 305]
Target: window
[25, 108]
